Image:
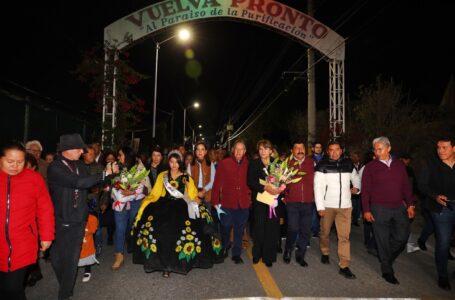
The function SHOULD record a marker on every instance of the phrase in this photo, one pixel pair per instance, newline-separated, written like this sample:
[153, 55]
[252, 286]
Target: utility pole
[184, 125]
[172, 127]
[311, 87]
[171, 133]
[229, 128]
[194, 137]
[26, 121]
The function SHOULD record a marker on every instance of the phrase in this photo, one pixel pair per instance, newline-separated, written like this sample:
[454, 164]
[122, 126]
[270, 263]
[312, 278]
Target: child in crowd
[87, 257]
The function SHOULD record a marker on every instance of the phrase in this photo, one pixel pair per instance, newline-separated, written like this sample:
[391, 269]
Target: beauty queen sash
[193, 208]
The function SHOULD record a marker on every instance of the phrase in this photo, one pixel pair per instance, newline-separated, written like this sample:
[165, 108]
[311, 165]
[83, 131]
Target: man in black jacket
[437, 184]
[69, 180]
[333, 178]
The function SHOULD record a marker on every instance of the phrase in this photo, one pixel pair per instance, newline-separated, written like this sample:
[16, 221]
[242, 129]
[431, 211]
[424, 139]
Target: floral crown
[175, 152]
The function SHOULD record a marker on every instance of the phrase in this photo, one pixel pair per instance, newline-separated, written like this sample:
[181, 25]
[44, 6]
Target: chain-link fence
[26, 116]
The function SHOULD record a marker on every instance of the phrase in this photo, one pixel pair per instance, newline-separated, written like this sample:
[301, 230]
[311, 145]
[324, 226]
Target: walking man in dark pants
[437, 184]
[69, 180]
[231, 193]
[299, 198]
[317, 155]
[388, 203]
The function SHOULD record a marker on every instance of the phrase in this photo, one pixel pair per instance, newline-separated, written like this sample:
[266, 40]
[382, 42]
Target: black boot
[211, 230]
[287, 256]
[226, 251]
[278, 247]
[444, 283]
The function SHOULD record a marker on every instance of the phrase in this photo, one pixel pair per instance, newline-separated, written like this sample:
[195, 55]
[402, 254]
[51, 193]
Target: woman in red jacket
[26, 212]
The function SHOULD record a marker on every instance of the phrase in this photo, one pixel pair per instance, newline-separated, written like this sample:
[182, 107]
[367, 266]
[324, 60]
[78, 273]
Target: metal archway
[274, 15]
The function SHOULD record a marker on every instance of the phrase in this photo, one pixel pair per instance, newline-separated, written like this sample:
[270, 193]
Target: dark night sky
[408, 40]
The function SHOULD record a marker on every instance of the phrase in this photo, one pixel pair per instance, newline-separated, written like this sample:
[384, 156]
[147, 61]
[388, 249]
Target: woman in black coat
[266, 226]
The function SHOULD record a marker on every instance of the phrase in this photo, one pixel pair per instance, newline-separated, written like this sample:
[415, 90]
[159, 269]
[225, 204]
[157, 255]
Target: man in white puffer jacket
[332, 192]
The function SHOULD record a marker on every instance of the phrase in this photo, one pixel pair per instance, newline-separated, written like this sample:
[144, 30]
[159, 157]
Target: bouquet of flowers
[127, 180]
[278, 176]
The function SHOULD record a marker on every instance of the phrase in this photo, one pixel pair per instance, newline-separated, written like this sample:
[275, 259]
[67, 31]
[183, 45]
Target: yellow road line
[265, 278]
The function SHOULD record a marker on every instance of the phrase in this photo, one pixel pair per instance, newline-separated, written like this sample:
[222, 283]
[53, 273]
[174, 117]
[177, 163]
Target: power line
[276, 98]
[355, 36]
[259, 85]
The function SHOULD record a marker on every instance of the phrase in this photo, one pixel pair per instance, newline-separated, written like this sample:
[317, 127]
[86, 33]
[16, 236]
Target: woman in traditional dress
[173, 232]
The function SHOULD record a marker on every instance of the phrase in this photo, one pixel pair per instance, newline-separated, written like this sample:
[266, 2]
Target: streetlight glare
[196, 104]
[200, 134]
[200, 126]
[184, 35]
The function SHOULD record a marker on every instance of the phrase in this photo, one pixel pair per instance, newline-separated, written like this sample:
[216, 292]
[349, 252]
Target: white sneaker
[410, 247]
[86, 277]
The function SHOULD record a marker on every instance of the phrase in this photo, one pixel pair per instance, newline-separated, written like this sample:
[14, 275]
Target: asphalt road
[415, 271]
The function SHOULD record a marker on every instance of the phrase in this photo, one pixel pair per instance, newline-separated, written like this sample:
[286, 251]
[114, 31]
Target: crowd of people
[190, 209]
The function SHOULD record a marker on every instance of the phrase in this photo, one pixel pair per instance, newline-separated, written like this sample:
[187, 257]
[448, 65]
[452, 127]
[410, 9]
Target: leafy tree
[130, 108]
[385, 110]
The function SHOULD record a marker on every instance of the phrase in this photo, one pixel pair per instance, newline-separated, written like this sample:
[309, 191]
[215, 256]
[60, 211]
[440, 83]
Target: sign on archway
[273, 15]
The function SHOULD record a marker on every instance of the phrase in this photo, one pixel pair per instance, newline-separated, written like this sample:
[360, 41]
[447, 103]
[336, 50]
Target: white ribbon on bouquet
[120, 200]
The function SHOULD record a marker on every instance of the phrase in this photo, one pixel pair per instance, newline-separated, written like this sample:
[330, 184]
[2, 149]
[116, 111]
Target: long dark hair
[11, 146]
[206, 157]
[106, 154]
[130, 157]
[182, 167]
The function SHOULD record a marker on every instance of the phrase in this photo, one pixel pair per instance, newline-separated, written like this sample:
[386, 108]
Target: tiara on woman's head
[175, 152]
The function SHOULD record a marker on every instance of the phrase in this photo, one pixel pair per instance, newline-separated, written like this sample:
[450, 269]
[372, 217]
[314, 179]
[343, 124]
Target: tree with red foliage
[90, 71]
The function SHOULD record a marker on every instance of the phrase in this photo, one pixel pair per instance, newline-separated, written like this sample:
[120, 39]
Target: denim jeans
[299, 226]
[443, 226]
[315, 221]
[237, 219]
[428, 228]
[105, 220]
[123, 221]
[356, 208]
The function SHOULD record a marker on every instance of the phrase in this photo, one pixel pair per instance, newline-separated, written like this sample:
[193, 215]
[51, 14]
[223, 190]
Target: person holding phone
[69, 183]
[437, 184]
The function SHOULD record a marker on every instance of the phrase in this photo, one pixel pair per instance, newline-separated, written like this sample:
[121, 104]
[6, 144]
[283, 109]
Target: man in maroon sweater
[299, 198]
[231, 192]
[388, 203]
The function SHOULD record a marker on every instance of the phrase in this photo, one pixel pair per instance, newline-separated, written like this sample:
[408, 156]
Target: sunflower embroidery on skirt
[188, 244]
[205, 214]
[216, 245]
[145, 238]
